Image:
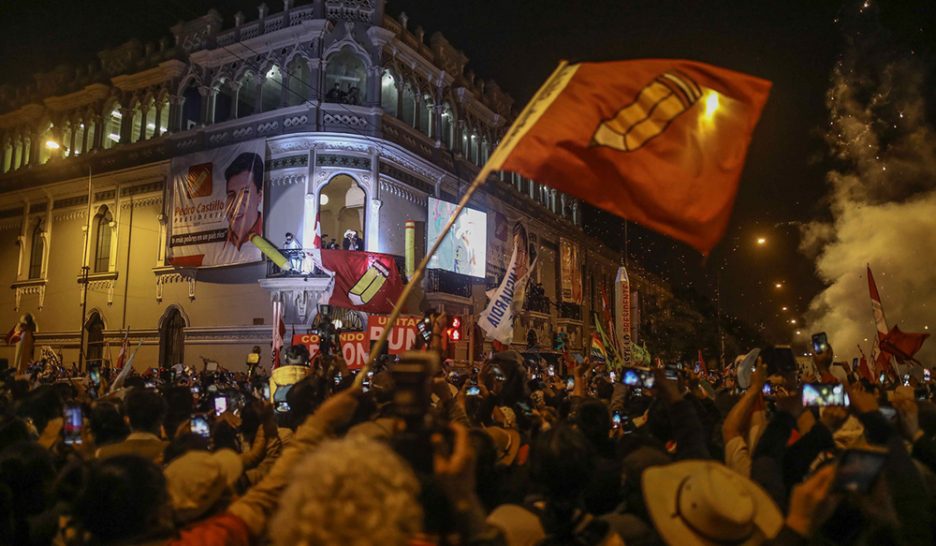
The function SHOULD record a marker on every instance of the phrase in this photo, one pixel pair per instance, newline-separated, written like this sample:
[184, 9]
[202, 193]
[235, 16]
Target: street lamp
[778, 285]
[792, 321]
[784, 308]
[761, 241]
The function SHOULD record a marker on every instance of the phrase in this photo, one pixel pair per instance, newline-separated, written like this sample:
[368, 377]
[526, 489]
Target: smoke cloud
[883, 194]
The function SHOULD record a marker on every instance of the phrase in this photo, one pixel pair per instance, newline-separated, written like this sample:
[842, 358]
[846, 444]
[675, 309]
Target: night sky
[793, 43]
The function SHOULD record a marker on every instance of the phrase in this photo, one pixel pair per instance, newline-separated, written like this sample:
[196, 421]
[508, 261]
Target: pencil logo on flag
[369, 284]
[656, 105]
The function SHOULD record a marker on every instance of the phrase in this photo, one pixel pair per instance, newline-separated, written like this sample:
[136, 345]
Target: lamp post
[85, 271]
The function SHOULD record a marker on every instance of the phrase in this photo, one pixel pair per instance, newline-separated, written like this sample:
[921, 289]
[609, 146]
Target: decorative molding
[32, 286]
[343, 161]
[348, 120]
[295, 121]
[386, 169]
[144, 202]
[288, 162]
[288, 180]
[7, 225]
[171, 275]
[76, 214]
[394, 188]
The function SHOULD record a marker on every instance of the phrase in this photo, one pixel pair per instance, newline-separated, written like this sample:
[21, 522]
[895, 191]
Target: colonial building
[363, 118]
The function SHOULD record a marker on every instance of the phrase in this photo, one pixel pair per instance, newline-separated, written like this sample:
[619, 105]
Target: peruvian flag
[279, 331]
[902, 344]
[15, 334]
[882, 360]
[124, 348]
[316, 253]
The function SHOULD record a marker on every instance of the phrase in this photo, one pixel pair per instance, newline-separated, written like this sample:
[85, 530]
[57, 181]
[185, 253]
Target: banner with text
[355, 346]
[570, 271]
[217, 206]
[402, 334]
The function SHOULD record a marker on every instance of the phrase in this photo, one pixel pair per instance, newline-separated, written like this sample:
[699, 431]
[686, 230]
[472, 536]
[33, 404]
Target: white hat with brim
[706, 503]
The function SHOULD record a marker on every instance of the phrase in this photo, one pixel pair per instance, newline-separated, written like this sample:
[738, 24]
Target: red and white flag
[315, 254]
[15, 334]
[882, 358]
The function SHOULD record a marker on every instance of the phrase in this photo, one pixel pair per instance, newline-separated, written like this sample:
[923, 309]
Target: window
[112, 123]
[300, 84]
[36, 250]
[191, 107]
[389, 94]
[7, 156]
[90, 135]
[247, 95]
[47, 144]
[94, 332]
[224, 102]
[163, 116]
[136, 123]
[102, 240]
[171, 338]
[272, 89]
[341, 210]
[78, 148]
[408, 112]
[150, 128]
[427, 115]
[26, 153]
[63, 148]
[345, 78]
[448, 125]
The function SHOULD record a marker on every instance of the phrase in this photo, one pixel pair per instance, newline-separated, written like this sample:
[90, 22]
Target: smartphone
[906, 380]
[337, 379]
[282, 407]
[820, 342]
[926, 375]
[858, 469]
[73, 421]
[671, 373]
[551, 370]
[473, 390]
[570, 383]
[612, 376]
[220, 405]
[199, 425]
[882, 378]
[631, 377]
[95, 375]
[639, 377]
[265, 391]
[194, 389]
[767, 390]
[824, 394]
[616, 419]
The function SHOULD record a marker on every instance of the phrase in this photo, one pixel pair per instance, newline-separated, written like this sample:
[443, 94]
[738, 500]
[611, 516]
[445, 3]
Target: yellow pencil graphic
[369, 284]
[657, 104]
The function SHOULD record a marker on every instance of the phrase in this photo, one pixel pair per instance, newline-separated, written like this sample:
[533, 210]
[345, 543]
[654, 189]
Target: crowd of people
[510, 452]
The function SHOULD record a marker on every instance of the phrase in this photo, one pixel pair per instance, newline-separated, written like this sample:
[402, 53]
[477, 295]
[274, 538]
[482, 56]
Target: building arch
[36, 251]
[342, 207]
[172, 326]
[102, 236]
[389, 92]
[346, 71]
[247, 91]
[113, 119]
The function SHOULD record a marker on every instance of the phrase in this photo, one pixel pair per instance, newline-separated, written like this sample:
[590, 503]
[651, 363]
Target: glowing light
[926, 327]
[778, 285]
[798, 332]
[323, 199]
[52, 145]
[711, 104]
[150, 125]
[114, 136]
[761, 241]
[271, 72]
[792, 321]
[784, 308]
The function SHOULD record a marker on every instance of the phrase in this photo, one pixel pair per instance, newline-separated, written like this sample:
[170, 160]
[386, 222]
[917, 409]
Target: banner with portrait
[217, 206]
[570, 271]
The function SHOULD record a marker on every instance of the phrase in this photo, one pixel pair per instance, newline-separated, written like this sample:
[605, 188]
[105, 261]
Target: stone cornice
[25, 114]
[407, 55]
[88, 95]
[165, 71]
[250, 48]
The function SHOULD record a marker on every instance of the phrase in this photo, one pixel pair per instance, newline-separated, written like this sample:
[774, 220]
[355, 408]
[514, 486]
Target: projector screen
[464, 250]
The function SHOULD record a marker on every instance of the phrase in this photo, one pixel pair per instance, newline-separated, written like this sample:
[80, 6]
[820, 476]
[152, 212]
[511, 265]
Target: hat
[703, 502]
[197, 480]
[507, 443]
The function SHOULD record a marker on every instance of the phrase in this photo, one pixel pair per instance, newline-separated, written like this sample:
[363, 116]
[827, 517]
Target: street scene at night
[426, 272]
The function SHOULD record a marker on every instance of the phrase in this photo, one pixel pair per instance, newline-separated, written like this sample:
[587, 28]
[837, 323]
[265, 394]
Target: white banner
[217, 206]
[497, 319]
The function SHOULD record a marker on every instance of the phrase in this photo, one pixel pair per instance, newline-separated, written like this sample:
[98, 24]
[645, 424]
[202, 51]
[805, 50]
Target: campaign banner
[570, 271]
[622, 312]
[402, 334]
[355, 346]
[217, 206]
[497, 319]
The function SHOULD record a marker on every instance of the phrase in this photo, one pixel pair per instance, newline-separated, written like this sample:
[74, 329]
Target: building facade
[363, 117]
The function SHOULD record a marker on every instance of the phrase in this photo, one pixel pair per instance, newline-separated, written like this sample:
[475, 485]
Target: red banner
[402, 334]
[365, 281]
[355, 346]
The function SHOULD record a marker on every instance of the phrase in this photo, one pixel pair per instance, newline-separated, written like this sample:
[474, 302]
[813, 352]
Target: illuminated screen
[464, 249]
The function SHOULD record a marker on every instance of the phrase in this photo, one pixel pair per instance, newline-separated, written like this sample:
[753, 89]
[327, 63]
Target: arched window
[224, 101]
[36, 250]
[191, 107]
[112, 122]
[102, 240]
[247, 95]
[300, 81]
[94, 334]
[47, 144]
[136, 123]
[408, 112]
[271, 92]
[389, 94]
[163, 116]
[426, 115]
[7, 156]
[448, 125]
[172, 338]
[345, 78]
[150, 119]
[78, 148]
[341, 209]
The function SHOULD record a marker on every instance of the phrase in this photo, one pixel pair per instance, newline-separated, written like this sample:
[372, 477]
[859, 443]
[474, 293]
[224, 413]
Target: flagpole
[495, 160]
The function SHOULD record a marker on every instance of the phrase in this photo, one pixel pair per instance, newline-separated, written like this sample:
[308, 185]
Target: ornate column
[206, 111]
[373, 86]
[175, 113]
[126, 124]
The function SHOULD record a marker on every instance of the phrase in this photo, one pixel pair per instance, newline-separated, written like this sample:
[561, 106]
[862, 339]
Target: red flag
[901, 344]
[15, 334]
[702, 367]
[365, 281]
[877, 309]
[660, 142]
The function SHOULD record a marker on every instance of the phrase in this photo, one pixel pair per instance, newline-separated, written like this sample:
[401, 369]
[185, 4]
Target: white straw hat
[704, 502]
